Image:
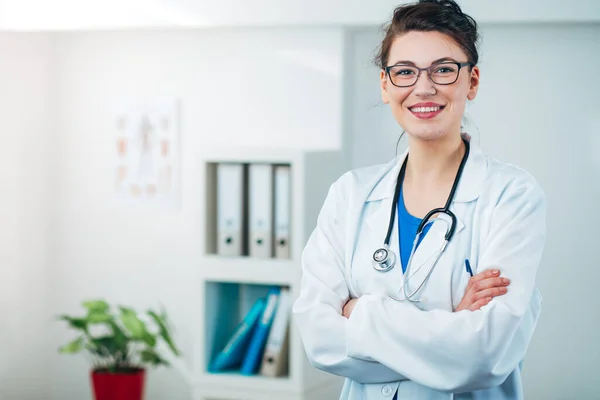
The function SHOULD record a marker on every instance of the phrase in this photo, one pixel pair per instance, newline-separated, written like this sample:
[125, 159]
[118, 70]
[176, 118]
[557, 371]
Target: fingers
[490, 283]
[488, 273]
[348, 307]
[483, 287]
[480, 303]
[493, 292]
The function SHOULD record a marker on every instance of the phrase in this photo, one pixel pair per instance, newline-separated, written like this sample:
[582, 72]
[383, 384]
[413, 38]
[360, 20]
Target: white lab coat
[424, 350]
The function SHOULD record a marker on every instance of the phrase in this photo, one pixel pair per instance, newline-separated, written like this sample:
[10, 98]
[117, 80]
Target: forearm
[446, 351]
[324, 333]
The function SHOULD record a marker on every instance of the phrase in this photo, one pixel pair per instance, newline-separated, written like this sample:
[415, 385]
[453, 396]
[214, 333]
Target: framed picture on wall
[146, 149]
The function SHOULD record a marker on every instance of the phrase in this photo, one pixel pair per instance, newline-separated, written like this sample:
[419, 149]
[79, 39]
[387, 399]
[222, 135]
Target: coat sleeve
[323, 293]
[465, 351]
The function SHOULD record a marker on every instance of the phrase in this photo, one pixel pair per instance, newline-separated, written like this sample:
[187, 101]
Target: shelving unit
[229, 285]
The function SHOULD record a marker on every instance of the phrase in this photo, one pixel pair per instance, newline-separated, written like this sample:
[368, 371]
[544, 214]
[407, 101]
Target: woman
[441, 333]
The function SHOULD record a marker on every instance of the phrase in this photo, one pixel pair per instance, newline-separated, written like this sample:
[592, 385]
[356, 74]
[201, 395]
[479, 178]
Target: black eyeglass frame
[458, 64]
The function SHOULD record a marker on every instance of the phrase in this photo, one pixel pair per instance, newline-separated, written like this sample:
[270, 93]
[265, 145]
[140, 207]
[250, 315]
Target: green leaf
[120, 336]
[164, 331]
[99, 306]
[150, 356]
[149, 339]
[122, 341]
[107, 345]
[97, 317]
[73, 347]
[133, 324]
[76, 323]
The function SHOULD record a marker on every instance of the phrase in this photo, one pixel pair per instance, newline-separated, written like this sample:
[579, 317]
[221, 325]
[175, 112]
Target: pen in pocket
[468, 266]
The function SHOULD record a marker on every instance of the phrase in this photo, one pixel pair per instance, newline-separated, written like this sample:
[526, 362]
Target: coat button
[386, 390]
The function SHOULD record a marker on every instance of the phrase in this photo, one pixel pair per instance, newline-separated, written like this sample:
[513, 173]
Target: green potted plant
[122, 346]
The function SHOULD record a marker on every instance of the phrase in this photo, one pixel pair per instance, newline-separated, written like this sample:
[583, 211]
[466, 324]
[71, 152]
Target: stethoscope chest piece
[383, 259]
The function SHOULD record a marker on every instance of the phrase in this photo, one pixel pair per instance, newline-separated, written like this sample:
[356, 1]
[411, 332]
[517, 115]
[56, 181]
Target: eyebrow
[439, 60]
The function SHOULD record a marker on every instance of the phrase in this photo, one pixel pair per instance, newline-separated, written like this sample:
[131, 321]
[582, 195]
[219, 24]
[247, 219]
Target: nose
[424, 86]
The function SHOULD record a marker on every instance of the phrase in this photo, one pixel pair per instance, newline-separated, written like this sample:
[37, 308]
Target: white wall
[26, 194]
[248, 87]
[537, 108]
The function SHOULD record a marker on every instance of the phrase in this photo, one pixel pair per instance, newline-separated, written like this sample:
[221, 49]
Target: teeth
[425, 109]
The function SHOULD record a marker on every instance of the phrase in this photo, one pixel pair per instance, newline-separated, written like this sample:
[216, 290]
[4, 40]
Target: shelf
[268, 271]
[234, 386]
[227, 305]
[253, 155]
[234, 274]
[255, 382]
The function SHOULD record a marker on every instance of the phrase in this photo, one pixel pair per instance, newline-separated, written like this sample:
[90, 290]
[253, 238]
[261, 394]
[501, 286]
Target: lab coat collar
[468, 188]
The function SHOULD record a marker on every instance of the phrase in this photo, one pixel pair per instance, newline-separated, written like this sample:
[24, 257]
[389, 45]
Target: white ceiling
[35, 15]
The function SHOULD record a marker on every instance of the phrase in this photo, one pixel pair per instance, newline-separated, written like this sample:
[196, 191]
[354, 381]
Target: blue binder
[233, 352]
[254, 354]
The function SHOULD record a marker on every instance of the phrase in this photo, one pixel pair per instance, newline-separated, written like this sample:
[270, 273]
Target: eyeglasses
[444, 73]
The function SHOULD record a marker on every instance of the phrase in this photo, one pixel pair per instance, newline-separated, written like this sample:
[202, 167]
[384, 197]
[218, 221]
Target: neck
[434, 161]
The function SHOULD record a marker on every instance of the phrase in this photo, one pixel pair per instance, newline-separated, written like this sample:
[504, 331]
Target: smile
[426, 112]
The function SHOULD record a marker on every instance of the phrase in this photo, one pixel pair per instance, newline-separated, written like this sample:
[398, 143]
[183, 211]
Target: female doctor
[388, 299]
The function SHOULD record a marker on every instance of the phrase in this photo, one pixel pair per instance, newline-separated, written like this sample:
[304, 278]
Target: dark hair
[444, 16]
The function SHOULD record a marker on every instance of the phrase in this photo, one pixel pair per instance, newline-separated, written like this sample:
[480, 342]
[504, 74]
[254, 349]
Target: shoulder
[350, 190]
[509, 181]
[362, 179]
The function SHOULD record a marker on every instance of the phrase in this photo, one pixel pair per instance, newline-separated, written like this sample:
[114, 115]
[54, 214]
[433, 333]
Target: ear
[385, 97]
[474, 83]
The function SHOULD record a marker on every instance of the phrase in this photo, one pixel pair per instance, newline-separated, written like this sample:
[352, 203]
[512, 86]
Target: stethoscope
[384, 258]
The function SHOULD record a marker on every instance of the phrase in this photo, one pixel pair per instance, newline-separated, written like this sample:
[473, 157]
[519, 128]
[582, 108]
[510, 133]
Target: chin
[426, 133]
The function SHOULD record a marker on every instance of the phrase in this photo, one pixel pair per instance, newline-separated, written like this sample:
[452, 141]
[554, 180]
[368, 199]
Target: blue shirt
[407, 231]
[407, 226]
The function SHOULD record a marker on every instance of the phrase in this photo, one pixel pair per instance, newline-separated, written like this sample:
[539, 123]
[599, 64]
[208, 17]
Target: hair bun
[443, 16]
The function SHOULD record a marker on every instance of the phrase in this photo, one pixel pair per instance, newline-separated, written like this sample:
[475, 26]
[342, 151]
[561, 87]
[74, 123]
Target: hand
[348, 307]
[481, 289]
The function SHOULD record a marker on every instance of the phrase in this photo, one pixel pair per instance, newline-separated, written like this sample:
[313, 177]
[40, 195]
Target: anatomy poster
[147, 152]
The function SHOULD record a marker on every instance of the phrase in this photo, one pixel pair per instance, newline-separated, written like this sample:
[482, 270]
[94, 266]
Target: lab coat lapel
[380, 200]
[378, 221]
[371, 211]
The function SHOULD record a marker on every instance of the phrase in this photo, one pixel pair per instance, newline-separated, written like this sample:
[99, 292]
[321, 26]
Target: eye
[404, 71]
[444, 70]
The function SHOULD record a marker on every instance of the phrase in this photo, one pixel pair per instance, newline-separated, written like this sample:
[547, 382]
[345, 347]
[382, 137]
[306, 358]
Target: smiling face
[426, 110]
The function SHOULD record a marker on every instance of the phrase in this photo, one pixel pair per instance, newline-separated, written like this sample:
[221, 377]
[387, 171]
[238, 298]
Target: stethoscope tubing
[384, 259]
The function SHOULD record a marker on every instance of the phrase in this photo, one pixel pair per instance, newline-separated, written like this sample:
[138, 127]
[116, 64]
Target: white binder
[275, 359]
[230, 209]
[282, 211]
[261, 210]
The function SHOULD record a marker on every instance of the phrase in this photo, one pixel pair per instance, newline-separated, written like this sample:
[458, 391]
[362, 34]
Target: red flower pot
[118, 386]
